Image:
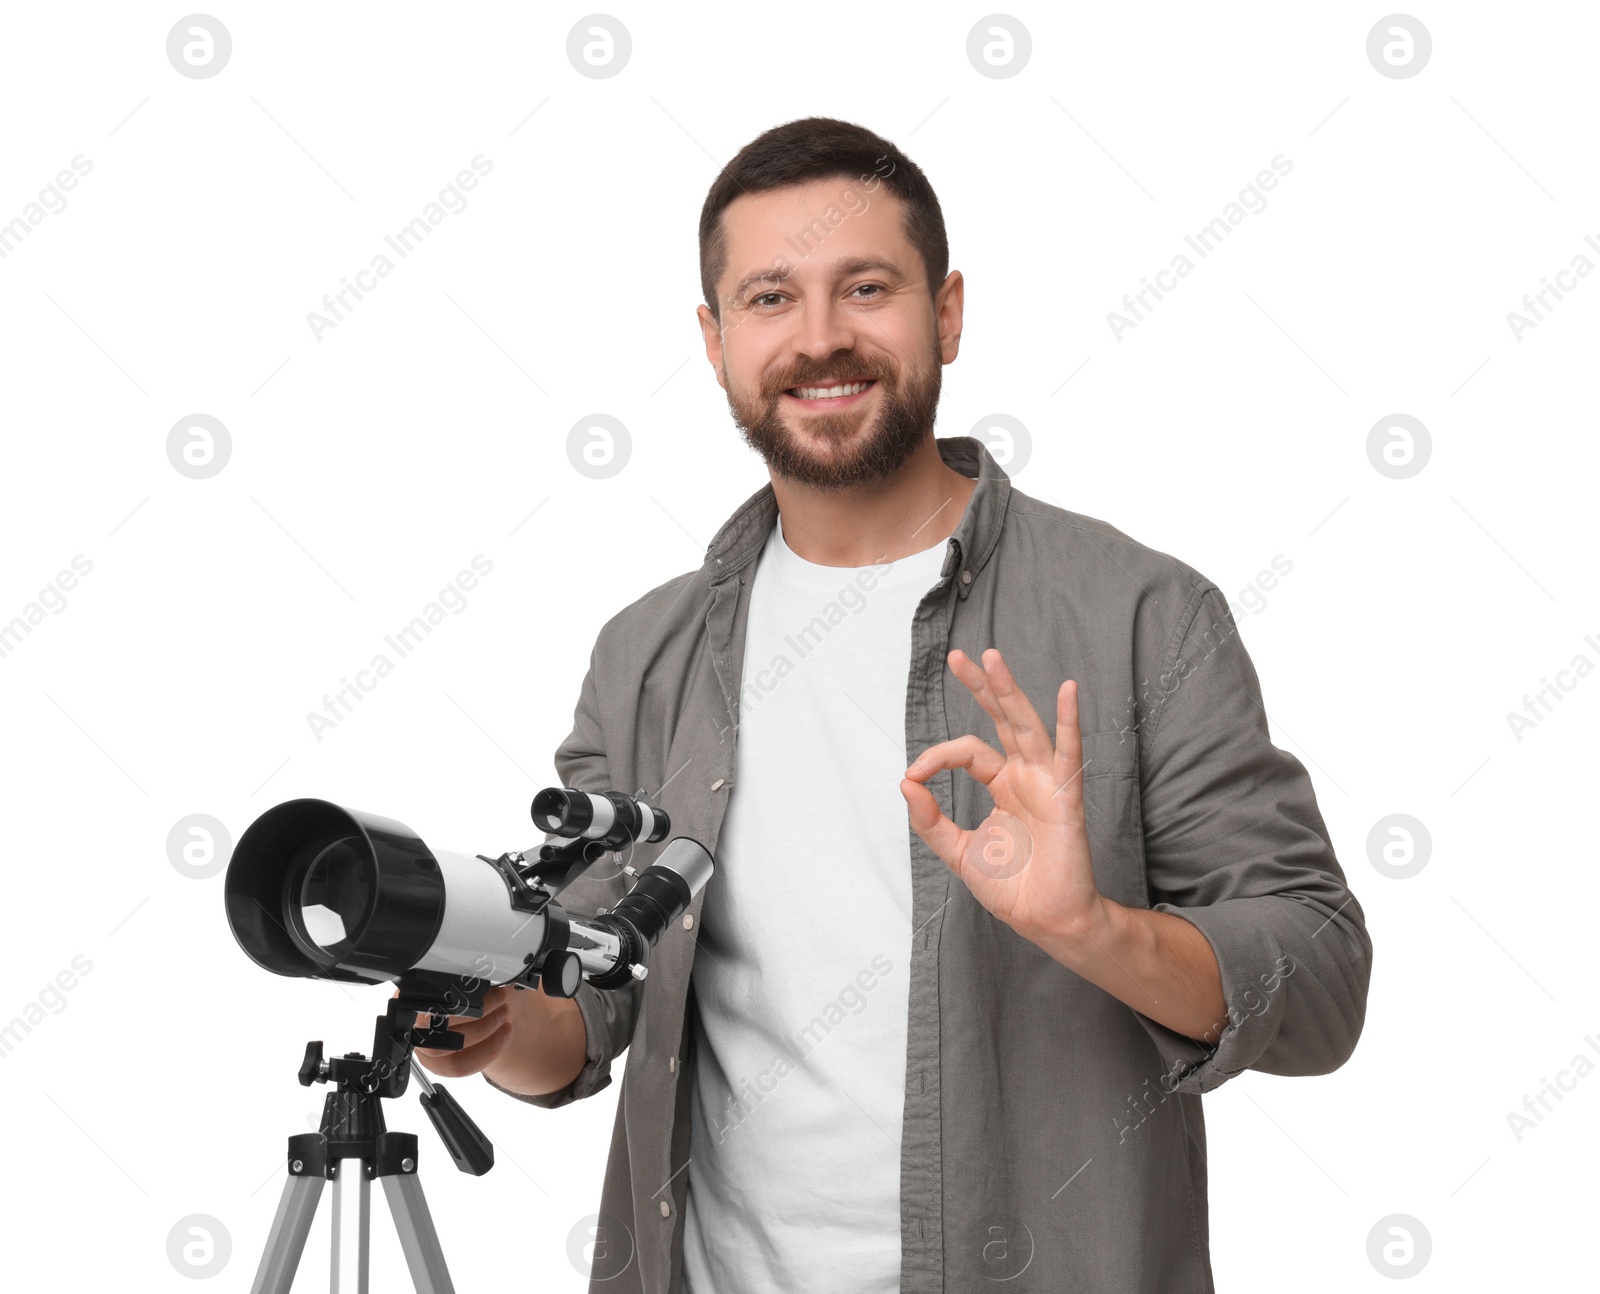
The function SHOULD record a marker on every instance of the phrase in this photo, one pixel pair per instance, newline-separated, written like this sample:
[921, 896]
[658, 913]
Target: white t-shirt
[801, 974]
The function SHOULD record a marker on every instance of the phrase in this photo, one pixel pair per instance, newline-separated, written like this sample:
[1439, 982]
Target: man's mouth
[834, 395]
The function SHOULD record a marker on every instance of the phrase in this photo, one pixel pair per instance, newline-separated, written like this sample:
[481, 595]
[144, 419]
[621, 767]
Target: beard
[859, 447]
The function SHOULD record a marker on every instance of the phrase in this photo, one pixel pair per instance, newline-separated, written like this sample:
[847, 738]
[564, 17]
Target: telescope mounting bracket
[524, 897]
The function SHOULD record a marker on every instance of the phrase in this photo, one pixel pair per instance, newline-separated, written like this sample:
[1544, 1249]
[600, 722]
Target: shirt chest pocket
[1111, 813]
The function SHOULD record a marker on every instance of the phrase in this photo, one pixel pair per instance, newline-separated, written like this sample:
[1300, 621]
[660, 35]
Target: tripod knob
[311, 1066]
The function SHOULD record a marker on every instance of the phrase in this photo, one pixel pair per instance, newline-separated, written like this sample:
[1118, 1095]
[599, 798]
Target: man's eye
[761, 297]
[876, 288]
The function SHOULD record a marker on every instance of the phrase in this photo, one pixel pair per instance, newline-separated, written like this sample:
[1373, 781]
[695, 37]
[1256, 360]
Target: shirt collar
[742, 536]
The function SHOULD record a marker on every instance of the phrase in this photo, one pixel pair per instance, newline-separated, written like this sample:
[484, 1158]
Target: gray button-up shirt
[1053, 1135]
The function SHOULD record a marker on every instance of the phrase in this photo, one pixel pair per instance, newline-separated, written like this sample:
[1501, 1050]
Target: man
[1008, 868]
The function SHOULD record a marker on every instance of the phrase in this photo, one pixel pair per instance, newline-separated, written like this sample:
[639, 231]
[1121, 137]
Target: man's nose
[825, 330]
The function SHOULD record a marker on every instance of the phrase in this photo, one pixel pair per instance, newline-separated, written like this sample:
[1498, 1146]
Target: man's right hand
[486, 1036]
[525, 1041]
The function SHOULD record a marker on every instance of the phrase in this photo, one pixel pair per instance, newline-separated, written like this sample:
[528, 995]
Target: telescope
[325, 892]
[320, 891]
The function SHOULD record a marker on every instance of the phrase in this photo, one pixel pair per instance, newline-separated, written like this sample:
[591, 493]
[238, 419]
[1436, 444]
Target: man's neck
[912, 510]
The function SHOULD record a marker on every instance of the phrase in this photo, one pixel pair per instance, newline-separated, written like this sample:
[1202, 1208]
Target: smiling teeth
[830, 392]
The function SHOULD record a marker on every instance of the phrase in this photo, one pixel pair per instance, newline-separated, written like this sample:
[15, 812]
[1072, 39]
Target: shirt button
[666, 1209]
[966, 577]
[672, 1064]
[688, 920]
[717, 784]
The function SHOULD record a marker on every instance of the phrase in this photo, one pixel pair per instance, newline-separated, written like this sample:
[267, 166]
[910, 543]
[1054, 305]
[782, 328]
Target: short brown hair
[821, 148]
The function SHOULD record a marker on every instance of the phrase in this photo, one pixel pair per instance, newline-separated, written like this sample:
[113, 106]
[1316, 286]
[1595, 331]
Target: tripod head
[352, 1114]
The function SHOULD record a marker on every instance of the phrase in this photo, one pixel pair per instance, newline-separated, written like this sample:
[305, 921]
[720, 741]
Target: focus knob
[561, 974]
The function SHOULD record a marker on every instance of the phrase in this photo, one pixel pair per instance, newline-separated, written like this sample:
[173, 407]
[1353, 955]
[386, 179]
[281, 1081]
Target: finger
[1069, 744]
[977, 682]
[473, 1031]
[928, 820]
[1032, 739]
[425, 1020]
[454, 1064]
[492, 998]
[974, 754]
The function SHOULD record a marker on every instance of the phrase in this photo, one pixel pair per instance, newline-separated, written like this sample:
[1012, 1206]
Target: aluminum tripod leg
[418, 1238]
[351, 1242]
[297, 1207]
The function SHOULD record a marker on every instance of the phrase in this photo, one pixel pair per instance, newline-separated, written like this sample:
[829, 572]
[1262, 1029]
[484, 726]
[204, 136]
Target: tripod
[354, 1146]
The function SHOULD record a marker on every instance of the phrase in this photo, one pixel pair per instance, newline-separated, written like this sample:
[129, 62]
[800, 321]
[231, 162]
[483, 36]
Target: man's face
[829, 346]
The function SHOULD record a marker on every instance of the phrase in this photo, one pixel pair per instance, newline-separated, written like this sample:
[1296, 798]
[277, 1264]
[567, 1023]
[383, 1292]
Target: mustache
[805, 378]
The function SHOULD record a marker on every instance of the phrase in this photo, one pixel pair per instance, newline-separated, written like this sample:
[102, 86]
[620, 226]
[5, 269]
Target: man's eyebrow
[862, 264]
[769, 275]
[857, 265]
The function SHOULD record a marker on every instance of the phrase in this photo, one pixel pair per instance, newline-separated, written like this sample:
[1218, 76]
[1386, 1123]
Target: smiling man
[1009, 869]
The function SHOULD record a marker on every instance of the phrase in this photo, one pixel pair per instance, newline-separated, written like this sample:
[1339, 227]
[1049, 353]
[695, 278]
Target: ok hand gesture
[1028, 861]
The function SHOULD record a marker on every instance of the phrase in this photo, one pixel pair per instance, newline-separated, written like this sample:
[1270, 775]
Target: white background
[369, 466]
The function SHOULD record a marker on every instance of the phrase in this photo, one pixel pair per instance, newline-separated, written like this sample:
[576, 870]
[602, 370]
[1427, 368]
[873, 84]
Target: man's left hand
[1028, 861]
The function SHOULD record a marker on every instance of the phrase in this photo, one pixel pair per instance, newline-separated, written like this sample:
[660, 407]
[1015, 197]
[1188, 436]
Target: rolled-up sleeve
[1235, 845]
[609, 1015]
[608, 1019]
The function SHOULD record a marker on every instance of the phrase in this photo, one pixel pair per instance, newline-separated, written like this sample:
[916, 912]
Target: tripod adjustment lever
[472, 1151]
[311, 1068]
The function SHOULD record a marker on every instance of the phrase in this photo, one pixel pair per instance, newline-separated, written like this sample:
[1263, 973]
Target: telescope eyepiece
[612, 817]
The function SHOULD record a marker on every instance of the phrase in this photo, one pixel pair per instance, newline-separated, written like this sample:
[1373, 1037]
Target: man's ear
[947, 311]
[711, 330]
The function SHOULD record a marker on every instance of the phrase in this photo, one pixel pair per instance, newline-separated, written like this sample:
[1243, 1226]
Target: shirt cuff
[596, 1071]
[1254, 969]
